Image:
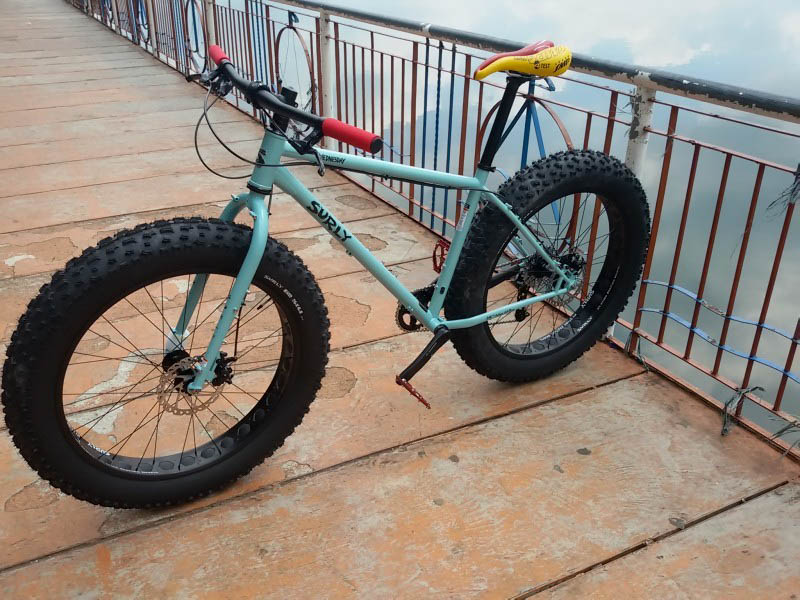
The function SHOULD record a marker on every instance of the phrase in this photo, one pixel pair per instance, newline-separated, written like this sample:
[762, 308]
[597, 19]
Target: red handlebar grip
[355, 136]
[217, 54]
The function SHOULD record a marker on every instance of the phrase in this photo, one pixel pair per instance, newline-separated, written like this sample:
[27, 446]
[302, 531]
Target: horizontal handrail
[785, 108]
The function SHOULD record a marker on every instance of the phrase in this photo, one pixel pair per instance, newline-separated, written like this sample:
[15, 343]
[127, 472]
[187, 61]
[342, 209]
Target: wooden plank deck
[498, 491]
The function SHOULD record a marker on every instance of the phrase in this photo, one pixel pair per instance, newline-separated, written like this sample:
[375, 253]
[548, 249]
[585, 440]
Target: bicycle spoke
[150, 439]
[208, 433]
[107, 358]
[138, 423]
[128, 392]
[232, 404]
[111, 391]
[141, 424]
[117, 405]
[126, 339]
[259, 308]
[136, 308]
[128, 350]
[161, 313]
[185, 437]
[244, 392]
[245, 353]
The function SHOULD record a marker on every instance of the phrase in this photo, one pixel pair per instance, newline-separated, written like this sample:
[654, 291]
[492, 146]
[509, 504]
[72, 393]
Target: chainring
[405, 320]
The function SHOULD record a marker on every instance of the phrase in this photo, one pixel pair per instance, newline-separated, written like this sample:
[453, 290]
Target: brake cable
[204, 115]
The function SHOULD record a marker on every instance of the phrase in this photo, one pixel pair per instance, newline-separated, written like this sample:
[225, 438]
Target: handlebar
[256, 94]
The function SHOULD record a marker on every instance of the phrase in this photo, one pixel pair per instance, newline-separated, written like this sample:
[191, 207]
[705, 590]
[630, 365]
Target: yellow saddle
[541, 59]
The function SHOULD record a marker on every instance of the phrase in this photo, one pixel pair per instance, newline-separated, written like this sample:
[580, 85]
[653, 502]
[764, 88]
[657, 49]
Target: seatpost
[495, 136]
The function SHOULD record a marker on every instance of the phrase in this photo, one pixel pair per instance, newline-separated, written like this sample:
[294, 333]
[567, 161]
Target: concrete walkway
[497, 492]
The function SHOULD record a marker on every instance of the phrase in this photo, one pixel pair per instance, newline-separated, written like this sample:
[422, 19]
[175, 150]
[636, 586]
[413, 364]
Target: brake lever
[205, 78]
[320, 164]
[306, 146]
[221, 87]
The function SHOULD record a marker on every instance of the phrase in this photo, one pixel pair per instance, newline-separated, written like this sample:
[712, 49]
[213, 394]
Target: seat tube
[260, 186]
[454, 252]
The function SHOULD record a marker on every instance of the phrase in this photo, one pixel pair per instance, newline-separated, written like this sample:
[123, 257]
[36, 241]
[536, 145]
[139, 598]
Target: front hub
[173, 391]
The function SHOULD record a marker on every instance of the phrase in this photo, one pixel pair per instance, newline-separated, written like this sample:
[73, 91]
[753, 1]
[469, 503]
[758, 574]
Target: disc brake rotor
[172, 391]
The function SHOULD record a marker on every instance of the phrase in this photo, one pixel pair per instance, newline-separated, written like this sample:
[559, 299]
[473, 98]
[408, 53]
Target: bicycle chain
[405, 320]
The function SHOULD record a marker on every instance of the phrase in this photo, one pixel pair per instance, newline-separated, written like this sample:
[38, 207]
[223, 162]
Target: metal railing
[722, 206]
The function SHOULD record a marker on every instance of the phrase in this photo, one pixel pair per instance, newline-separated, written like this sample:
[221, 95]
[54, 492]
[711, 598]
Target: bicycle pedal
[412, 390]
[440, 337]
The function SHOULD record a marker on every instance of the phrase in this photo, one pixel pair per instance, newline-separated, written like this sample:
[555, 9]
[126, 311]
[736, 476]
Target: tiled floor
[498, 491]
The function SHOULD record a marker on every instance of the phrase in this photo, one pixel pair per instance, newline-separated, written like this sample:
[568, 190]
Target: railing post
[326, 85]
[642, 105]
[115, 12]
[211, 29]
[151, 26]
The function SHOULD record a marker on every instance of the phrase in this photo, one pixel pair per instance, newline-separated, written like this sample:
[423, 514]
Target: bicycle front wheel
[95, 384]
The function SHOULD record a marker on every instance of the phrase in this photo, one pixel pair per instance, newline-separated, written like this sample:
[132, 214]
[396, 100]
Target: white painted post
[115, 12]
[325, 87]
[151, 27]
[211, 32]
[642, 104]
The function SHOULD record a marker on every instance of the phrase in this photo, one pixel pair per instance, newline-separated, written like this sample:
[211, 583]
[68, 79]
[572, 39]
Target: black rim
[125, 404]
[295, 70]
[564, 227]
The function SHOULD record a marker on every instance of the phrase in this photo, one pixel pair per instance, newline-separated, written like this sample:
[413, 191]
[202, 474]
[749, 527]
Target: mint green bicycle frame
[260, 185]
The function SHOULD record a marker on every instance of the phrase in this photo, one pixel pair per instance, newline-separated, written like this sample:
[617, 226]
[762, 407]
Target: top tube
[390, 170]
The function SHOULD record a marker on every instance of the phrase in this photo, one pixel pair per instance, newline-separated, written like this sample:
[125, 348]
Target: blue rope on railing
[719, 312]
[436, 126]
[526, 134]
[702, 334]
[256, 28]
[449, 133]
[180, 58]
[194, 26]
[424, 123]
[710, 339]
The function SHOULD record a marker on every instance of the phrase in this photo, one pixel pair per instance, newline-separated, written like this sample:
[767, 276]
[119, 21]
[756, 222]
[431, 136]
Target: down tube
[290, 184]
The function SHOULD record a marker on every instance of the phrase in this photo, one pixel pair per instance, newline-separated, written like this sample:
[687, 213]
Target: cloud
[658, 34]
[789, 29]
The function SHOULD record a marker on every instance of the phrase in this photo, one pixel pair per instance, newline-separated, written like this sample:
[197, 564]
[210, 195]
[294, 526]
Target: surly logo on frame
[339, 160]
[326, 219]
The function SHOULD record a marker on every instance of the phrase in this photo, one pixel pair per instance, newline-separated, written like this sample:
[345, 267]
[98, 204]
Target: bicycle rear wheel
[589, 212]
[94, 387]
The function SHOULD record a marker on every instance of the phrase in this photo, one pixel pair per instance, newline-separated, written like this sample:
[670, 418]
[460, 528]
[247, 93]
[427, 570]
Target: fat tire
[528, 190]
[35, 356]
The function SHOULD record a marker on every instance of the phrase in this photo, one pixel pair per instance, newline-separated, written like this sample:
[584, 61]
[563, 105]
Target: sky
[755, 45]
